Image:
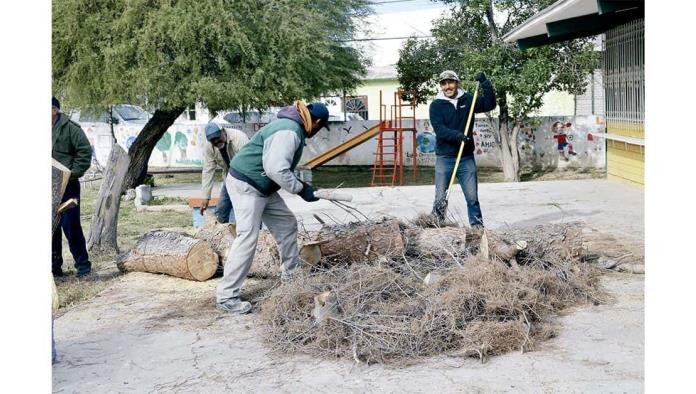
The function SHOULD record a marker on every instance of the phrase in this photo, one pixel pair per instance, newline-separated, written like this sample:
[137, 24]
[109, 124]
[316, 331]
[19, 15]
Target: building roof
[569, 19]
[381, 72]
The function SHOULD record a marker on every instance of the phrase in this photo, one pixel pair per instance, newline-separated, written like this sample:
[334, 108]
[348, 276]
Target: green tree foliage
[166, 54]
[469, 39]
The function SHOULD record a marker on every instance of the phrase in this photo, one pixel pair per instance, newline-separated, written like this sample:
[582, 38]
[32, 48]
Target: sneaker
[82, 274]
[234, 306]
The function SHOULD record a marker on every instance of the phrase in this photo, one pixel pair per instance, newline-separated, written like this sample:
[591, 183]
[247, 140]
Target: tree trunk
[220, 237]
[171, 253]
[102, 231]
[441, 242]
[508, 153]
[363, 242]
[509, 156]
[142, 148]
[60, 175]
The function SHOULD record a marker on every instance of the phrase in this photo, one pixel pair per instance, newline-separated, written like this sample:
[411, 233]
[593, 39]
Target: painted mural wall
[539, 143]
[545, 142]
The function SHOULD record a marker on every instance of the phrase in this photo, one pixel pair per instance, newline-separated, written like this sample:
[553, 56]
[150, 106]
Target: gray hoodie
[278, 152]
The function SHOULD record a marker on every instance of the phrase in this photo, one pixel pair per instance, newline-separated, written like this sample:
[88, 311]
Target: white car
[122, 114]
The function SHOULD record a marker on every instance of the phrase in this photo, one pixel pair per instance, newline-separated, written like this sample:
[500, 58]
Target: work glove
[307, 193]
[204, 205]
[480, 77]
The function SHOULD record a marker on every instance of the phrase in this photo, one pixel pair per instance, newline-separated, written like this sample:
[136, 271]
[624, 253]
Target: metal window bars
[624, 79]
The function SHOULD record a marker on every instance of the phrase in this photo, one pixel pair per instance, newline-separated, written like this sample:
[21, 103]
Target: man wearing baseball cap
[223, 145]
[448, 115]
[261, 168]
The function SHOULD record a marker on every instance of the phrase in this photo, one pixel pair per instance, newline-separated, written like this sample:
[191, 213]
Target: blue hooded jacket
[448, 118]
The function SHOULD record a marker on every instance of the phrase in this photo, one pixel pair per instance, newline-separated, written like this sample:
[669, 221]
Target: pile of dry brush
[397, 309]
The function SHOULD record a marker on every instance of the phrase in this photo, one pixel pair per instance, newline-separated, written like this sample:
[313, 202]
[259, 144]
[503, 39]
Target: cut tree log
[442, 242]
[102, 230]
[221, 236]
[363, 242]
[60, 175]
[171, 253]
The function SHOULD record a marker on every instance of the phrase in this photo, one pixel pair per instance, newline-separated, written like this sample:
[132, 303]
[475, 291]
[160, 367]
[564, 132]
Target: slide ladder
[388, 168]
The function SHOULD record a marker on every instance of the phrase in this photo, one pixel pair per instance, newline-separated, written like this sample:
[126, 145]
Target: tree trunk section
[103, 229]
[142, 148]
[171, 253]
[60, 175]
[363, 242]
[221, 236]
[441, 242]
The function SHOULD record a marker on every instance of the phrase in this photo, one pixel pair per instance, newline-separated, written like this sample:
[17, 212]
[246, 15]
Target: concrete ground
[151, 333]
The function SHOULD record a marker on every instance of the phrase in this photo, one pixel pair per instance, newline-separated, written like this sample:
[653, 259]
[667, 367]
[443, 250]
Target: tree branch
[491, 22]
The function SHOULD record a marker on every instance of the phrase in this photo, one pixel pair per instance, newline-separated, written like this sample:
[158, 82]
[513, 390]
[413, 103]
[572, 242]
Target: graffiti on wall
[484, 138]
[182, 145]
[536, 142]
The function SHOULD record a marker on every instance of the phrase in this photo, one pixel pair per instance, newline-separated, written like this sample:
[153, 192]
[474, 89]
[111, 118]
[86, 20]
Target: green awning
[571, 19]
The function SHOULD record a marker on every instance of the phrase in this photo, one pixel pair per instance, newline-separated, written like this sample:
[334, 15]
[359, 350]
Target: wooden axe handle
[332, 195]
[67, 205]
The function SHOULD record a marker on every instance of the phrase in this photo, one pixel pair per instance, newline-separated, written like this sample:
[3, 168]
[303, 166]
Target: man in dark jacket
[261, 168]
[72, 149]
[448, 115]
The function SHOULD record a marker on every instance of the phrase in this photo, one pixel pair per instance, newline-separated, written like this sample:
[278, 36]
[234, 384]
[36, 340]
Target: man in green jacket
[261, 168]
[72, 149]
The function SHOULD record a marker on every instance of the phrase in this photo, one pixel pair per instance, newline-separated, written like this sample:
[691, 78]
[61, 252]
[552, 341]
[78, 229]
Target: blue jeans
[70, 225]
[223, 209]
[468, 180]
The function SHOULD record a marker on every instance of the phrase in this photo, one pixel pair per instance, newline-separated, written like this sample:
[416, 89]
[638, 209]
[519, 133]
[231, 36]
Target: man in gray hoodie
[261, 168]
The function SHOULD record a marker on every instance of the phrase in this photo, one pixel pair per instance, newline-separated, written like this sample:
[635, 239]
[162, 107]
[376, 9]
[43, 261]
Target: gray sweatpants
[250, 208]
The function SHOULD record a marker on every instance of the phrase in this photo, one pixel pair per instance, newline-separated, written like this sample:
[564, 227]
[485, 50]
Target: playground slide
[342, 148]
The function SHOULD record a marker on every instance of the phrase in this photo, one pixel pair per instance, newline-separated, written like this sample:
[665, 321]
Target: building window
[356, 105]
[191, 113]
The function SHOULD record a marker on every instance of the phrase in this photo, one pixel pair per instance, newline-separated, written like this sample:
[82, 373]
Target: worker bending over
[261, 168]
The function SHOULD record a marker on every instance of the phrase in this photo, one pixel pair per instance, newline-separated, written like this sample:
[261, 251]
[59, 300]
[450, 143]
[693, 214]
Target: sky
[398, 19]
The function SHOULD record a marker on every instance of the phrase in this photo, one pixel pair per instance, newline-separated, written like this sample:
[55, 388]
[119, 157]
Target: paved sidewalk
[152, 333]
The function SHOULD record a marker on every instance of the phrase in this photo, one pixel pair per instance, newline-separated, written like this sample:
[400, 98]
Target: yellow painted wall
[629, 129]
[388, 86]
[626, 162]
[555, 103]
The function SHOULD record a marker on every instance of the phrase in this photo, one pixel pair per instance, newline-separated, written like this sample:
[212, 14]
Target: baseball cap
[212, 130]
[448, 74]
[318, 110]
[55, 102]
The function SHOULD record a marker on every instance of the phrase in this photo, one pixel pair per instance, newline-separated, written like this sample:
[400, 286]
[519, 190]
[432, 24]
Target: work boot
[235, 306]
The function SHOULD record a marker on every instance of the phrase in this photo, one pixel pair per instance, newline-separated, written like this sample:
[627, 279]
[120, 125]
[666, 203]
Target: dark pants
[468, 181]
[70, 225]
[223, 209]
